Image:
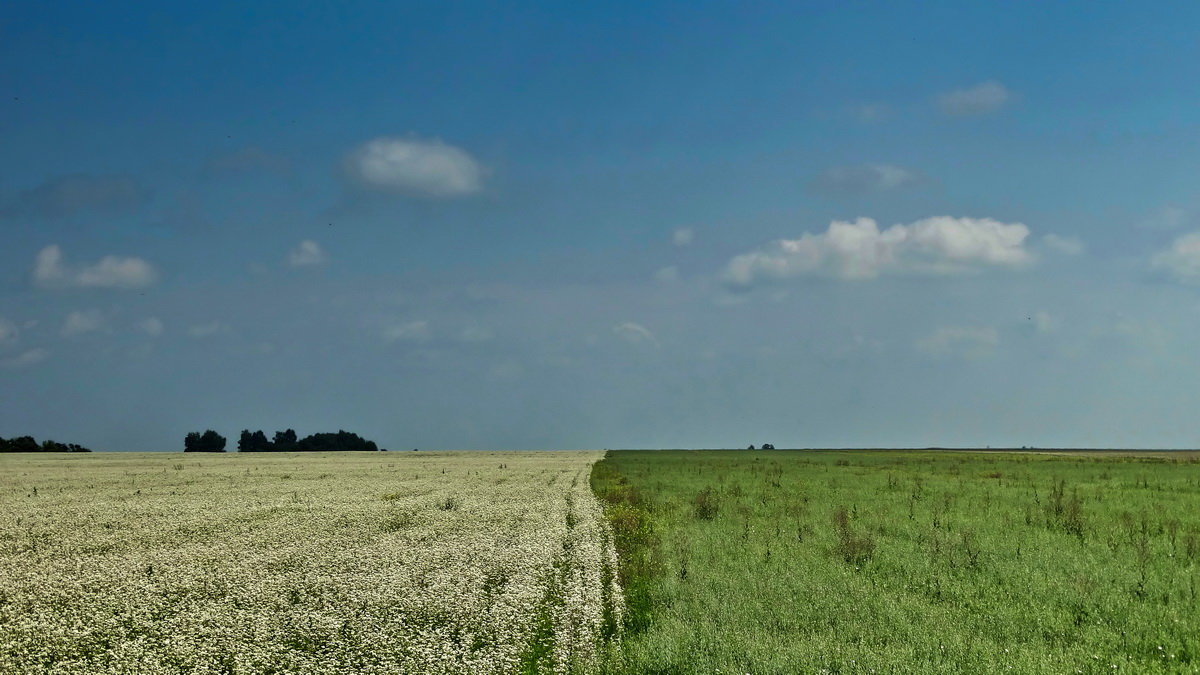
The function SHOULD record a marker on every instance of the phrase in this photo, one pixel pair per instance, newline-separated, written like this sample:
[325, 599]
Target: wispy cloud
[83, 321]
[307, 253]
[983, 98]
[683, 236]
[1182, 259]
[635, 333]
[51, 271]
[412, 331]
[26, 359]
[77, 194]
[960, 341]
[415, 167]
[866, 178]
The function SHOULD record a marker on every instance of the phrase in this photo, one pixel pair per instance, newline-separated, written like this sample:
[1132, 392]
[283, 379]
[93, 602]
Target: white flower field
[280, 563]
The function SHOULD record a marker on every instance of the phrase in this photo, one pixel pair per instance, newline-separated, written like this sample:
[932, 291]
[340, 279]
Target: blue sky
[581, 225]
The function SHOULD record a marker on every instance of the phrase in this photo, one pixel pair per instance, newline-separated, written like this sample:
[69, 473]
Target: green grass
[886, 561]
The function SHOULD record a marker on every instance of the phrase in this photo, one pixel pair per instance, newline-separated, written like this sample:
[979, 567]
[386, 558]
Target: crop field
[263, 563]
[630, 562]
[790, 562]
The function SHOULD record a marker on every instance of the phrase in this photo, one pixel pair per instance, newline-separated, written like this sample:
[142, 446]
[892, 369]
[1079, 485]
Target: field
[782, 562]
[630, 562]
[351, 563]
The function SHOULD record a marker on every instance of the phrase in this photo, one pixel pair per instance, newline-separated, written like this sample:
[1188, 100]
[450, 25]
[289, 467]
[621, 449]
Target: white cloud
[307, 253]
[80, 322]
[964, 341]
[859, 250]
[25, 359]
[50, 271]
[413, 331]
[635, 333]
[151, 326]
[414, 167]
[1063, 245]
[982, 98]
[203, 330]
[1182, 260]
[683, 236]
[1044, 323]
[866, 178]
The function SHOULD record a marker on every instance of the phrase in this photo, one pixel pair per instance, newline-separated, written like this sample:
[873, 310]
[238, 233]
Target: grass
[884, 561]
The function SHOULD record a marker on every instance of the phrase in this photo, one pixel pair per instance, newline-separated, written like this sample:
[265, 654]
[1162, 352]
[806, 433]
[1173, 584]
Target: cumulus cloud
[77, 194]
[963, 341]
[980, 99]
[865, 179]
[307, 253]
[25, 359]
[1063, 245]
[415, 167]
[51, 271]
[413, 331]
[84, 321]
[1182, 259]
[634, 333]
[859, 250]
[151, 326]
[683, 236]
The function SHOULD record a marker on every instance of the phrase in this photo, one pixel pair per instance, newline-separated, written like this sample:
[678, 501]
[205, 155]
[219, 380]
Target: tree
[285, 440]
[254, 442]
[209, 441]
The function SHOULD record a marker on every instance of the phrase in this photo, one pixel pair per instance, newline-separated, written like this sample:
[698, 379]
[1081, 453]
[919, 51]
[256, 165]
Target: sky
[601, 225]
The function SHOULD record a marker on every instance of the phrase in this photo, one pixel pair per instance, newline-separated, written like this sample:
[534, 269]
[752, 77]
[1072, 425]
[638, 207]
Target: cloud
[307, 253]
[414, 167]
[151, 326]
[247, 160]
[635, 333]
[1063, 245]
[868, 113]
[1044, 323]
[859, 250]
[25, 359]
[962, 341]
[8, 331]
[475, 335]
[77, 194]
[80, 322]
[413, 331]
[1166, 218]
[980, 99]
[204, 330]
[667, 275]
[865, 179]
[1182, 260]
[50, 271]
[683, 236]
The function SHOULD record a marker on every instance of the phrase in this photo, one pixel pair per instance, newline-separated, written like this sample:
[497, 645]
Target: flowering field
[351, 563]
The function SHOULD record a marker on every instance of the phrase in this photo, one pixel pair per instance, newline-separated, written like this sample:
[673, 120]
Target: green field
[791, 561]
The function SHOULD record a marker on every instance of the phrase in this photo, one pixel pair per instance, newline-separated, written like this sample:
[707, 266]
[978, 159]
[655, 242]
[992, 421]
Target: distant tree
[24, 444]
[29, 444]
[342, 440]
[209, 441]
[254, 442]
[768, 446]
[750, 448]
[285, 440]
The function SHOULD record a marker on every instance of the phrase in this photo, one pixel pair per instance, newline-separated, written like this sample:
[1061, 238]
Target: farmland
[773, 562]
[371, 562]
[629, 562]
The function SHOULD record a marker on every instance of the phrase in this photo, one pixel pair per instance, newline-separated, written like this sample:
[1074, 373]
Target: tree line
[29, 444]
[282, 441]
